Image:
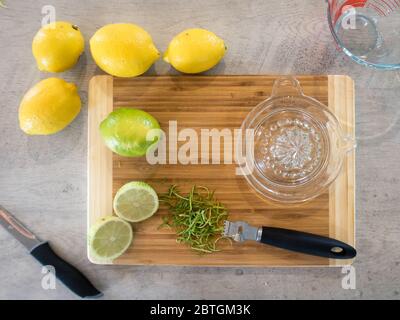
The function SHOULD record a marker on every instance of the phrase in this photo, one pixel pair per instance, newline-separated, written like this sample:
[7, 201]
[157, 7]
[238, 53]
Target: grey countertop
[43, 179]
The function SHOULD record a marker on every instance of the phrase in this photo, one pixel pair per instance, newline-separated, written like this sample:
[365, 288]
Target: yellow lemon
[123, 49]
[49, 106]
[195, 50]
[57, 46]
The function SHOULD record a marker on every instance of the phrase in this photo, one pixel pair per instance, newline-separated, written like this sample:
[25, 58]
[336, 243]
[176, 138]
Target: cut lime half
[135, 201]
[109, 238]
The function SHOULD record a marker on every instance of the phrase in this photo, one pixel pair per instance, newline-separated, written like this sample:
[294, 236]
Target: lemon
[135, 201]
[125, 131]
[195, 50]
[123, 49]
[109, 238]
[57, 46]
[48, 107]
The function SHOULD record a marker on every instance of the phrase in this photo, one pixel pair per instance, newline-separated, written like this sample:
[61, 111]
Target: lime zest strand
[196, 218]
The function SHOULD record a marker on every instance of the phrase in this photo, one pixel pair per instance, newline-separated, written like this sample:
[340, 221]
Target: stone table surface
[43, 179]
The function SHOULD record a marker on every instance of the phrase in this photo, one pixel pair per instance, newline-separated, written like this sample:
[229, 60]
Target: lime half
[135, 201]
[109, 238]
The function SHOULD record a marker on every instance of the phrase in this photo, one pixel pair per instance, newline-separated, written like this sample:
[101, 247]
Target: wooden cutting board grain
[206, 102]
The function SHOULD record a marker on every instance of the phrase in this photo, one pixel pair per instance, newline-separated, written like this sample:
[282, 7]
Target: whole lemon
[57, 46]
[195, 50]
[123, 49]
[48, 107]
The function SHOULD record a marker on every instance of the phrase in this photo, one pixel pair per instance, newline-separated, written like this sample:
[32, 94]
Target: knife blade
[41, 250]
[18, 230]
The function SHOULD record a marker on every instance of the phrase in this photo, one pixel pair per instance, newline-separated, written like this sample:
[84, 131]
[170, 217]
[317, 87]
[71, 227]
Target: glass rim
[348, 53]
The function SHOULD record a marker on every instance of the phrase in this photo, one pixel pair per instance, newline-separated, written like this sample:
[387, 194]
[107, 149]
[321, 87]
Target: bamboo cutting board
[206, 102]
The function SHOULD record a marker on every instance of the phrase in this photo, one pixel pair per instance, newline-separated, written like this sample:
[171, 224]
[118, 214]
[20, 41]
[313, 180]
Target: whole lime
[130, 132]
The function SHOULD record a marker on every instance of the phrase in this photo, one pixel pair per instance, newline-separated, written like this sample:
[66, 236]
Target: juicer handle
[307, 243]
[348, 144]
[285, 86]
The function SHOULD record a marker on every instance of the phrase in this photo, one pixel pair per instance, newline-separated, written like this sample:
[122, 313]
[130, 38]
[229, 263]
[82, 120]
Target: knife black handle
[307, 243]
[66, 273]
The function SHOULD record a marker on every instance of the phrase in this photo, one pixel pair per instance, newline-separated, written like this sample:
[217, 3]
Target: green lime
[109, 238]
[125, 131]
[135, 201]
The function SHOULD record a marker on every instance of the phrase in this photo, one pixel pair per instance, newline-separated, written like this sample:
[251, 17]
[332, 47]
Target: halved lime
[125, 131]
[135, 201]
[109, 238]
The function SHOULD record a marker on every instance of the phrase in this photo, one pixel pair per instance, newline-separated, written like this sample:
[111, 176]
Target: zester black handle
[66, 273]
[307, 243]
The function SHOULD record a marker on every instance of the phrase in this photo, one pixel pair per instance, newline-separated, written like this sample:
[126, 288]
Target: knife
[41, 250]
[298, 241]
